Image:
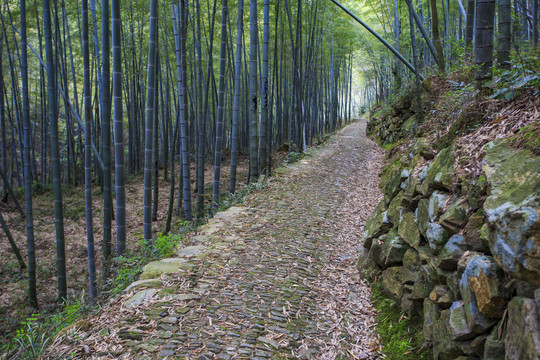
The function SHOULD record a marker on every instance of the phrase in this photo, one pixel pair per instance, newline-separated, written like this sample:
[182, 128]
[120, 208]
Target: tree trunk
[483, 42]
[505, 33]
[436, 37]
[119, 162]
[32, 287]
[55, 157]
[3, 137]
[235, 141]
[264, 89]
[221, 105]
[106, 133]
[419, 114]
[469, 25]
[88, 154]
[151, 84]
[253, 40]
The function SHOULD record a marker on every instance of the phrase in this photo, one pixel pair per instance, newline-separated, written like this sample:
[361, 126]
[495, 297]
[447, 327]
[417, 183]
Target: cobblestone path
[272, 279]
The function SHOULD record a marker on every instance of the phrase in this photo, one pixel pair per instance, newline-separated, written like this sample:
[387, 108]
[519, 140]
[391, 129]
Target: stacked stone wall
[462, 254]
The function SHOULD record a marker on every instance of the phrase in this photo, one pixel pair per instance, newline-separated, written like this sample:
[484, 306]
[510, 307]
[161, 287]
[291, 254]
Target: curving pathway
[273, 279]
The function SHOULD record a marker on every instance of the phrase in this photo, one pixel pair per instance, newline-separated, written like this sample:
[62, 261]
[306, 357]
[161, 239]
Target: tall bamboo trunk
[106, 133]
[32, 287]
[88, 153]
[119, 161]
[263, 166]
[151, 84]
[436, 37]
[221, 105]
[505, 33]
[235, 142]
[3, 137]
[55, 156]
[483, 41]
[253, 40]
[419, 114]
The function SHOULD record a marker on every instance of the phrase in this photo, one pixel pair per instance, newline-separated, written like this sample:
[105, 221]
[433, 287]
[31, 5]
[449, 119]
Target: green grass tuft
[401, 337]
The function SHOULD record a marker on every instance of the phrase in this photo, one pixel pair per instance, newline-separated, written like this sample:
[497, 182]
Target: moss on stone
[401, 337]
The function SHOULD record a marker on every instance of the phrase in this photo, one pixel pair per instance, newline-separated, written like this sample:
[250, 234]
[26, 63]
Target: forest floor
[273, 278]
[13, 280]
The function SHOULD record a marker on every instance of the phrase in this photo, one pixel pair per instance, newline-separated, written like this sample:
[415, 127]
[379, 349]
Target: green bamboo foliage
[253, 99]
[221, 104]
[32, 287]
[150, 98]
[119, 164]
[55, 156]
[88, 154]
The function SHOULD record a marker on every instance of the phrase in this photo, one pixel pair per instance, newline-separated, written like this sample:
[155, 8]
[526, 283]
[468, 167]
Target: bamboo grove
[438, 36]
[91, 93]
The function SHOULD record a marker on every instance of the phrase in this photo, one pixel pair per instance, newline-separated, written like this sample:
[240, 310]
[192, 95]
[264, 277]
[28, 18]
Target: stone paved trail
[273, 279]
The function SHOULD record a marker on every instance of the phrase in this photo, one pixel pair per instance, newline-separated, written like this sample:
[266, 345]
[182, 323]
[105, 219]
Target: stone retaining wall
[463, 254]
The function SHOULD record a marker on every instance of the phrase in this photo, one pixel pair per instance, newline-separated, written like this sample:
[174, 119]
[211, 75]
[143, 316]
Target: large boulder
[442, 172]
[513, 209]
[408, 230]
[523, 331]
[482, 292]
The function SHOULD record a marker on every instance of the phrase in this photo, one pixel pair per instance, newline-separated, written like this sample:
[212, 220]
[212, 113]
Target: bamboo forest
[271, 179]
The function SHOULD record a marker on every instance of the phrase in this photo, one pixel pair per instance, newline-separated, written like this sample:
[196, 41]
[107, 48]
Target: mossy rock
[394, 208]
[408, 230]
[441, 172]
[392, 280]
[422, 216]
[455, 217]
[512, 175]
[155, 269]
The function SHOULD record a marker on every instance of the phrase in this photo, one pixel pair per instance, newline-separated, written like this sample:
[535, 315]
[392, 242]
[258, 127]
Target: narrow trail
[273, 279]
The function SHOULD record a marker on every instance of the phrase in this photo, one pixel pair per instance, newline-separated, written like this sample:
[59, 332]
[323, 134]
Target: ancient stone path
[273, 279]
